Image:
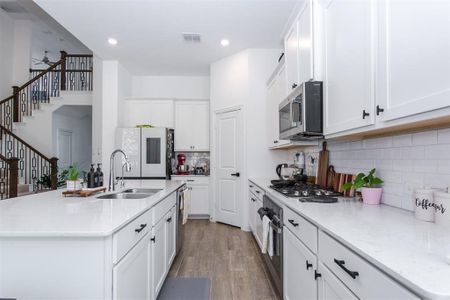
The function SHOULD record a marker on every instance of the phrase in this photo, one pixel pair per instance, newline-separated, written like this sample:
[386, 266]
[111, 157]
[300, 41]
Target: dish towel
[270, 242]
[265, 233]
[186, 206]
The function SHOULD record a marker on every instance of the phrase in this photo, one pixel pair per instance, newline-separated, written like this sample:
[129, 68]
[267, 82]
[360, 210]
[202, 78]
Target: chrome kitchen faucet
[112, 172]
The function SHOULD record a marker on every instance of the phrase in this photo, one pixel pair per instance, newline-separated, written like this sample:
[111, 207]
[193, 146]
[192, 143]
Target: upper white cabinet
[291, 54]
[349, 64]
[414, 57]
[158, 113]
[191, 125]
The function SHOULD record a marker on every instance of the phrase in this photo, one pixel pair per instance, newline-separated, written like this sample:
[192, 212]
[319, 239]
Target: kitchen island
[53, 247]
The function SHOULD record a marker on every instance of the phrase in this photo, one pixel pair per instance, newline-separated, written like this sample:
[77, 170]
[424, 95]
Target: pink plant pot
[371, 196]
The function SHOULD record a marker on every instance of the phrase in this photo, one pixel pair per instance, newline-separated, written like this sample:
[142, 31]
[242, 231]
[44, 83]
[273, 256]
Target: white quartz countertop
[413, 252]
[51, 214]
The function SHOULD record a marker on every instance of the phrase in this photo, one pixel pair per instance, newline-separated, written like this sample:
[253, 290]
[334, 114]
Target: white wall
[170, 87]
[6, 54]
[240, 80]
[22, 51]
[81, 128]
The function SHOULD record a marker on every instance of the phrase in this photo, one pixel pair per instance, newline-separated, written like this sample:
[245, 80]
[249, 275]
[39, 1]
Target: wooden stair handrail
[3, 128]
[7, 99]
[59, 62]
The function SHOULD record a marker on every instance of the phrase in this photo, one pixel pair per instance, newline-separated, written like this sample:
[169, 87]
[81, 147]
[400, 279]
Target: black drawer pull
[293, 223]
[140, 228]
[341, 263]
[308, 265]
[317, 275]
[275, 142]
[169, 220]
[251, 185]
[153, 239]
[379, 110]
[365, 114]
[190, 180]
[253, 199]
[258, 192]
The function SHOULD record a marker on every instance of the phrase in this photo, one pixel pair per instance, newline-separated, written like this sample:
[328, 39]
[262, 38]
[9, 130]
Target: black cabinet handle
[293, 222]
[190, 180]
[253, 199]
[237, 174]
[258, 192]
[275, 142]
[308, 265]
[140, 228]
[153, 239]
[169, 220]
[365, 114]
[251, 185]
[294, 85]
[379, 110]
[317, 274]
[341, 263]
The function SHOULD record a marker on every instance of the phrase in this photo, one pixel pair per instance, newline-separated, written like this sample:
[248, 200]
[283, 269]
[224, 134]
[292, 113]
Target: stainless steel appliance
[306, 192]
[149, 150]
[181, 194]
[300, 114]
[274, 263]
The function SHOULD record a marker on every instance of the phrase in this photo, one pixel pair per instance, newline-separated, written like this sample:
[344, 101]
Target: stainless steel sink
[124, 196]
[142, 190]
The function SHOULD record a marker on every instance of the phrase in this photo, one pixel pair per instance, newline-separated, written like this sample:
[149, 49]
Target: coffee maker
[182, 168]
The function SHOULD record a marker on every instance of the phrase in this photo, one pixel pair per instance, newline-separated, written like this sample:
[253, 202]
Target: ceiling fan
[44, 60]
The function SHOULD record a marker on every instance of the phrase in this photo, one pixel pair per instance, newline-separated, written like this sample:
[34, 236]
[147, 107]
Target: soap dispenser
[99, 175]
[90, 178]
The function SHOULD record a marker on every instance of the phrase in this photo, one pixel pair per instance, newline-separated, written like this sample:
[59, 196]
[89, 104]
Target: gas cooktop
[308, 193]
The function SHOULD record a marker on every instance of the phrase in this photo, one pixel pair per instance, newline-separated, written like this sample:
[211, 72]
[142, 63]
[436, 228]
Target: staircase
[20, 163]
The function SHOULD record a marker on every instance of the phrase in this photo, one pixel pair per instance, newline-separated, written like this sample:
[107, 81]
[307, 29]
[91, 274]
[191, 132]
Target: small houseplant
[370, 186]
[73, 182]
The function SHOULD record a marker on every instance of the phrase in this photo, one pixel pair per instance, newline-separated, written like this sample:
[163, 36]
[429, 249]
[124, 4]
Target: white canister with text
[424, 204]
[442, 208]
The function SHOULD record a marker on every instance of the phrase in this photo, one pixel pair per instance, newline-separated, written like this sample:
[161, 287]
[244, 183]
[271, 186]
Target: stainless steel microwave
[300, 114]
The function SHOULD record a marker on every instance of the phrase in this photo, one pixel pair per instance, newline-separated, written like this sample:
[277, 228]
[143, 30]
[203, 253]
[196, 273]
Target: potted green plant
[370, 186]
[73, 182]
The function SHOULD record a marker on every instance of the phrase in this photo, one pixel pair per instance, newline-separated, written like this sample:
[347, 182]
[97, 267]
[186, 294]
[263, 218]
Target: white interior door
[64, 148]
[229, 151]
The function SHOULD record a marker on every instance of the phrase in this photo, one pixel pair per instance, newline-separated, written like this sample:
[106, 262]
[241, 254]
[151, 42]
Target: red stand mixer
[182, 168]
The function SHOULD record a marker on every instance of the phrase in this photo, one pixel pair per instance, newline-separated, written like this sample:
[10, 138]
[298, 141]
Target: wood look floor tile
[228, 256]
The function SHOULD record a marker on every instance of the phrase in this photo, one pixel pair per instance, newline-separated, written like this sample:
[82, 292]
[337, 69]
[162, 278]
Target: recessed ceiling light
[224, 42]
[112, 41]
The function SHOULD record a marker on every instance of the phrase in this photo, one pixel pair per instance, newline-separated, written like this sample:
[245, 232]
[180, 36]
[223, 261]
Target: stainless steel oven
[300, 114]
[274, 257]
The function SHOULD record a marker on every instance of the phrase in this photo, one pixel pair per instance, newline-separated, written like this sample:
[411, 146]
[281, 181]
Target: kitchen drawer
[256, 190]
[301, 228]
[190, 180]
[128, 236]
[161, 209]
[362, 278]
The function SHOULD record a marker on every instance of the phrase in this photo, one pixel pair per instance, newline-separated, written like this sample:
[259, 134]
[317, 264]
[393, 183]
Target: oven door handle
[278, 229]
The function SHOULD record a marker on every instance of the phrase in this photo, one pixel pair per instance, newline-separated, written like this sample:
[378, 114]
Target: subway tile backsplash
[405, 162]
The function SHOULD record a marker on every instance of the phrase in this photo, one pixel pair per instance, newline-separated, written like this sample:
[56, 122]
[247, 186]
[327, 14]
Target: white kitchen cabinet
[258, 222]
[159, 113]
[305, 43]
[198, 192]
[251, 214]
[159, 256]
[299, 265]
[291, 56]
[414, 57]
[330, 287]
[349, 64]
[131, 276]
[171, 230]
[191, 125]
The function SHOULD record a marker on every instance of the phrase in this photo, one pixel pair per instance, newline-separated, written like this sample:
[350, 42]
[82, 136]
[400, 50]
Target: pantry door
[229, 149]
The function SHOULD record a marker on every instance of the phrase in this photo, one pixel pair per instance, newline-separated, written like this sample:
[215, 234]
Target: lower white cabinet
[131, 275]
[331, 288]
[171, 235]
[198, 192]
[159, 254]
[299, 269]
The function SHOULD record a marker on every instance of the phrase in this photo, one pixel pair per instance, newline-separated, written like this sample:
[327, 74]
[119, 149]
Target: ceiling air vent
[191, 37]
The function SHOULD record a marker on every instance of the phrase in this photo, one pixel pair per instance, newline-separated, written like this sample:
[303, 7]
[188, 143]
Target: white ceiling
[149, 31]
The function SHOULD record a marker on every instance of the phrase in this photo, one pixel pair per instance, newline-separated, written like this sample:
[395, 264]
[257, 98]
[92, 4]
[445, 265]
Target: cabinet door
[131, 275]
[171, 223]
[414, 57]
[298, 269]
[192, 126]
[251, 214]
[305, 43]
[199, 199]
[349, 64]
[330, 287]
[258, 222]
[159, 256]
[291, 53]
[158, 113]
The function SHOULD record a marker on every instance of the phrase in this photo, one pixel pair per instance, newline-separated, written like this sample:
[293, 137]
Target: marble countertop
[51, 214]
[414, 252]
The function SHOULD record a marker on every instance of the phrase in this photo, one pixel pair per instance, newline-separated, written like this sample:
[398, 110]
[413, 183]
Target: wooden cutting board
[84, 193]
[322, 168]
[330, 177]
[339, 180]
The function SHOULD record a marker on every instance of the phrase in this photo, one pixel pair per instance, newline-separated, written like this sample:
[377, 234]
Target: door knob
[237, 174]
